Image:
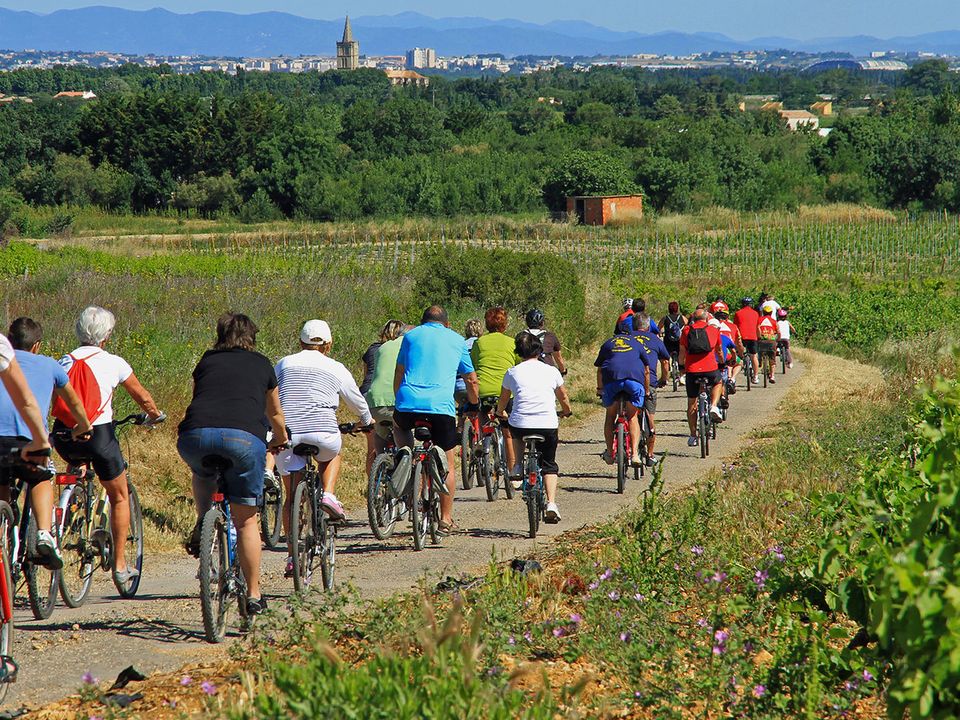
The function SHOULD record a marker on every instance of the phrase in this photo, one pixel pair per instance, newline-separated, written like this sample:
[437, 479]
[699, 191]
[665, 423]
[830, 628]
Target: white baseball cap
[315, 331]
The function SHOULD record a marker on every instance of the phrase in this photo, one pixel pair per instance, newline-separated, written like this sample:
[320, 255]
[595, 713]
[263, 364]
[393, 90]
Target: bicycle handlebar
[11, 457]
[354, 428]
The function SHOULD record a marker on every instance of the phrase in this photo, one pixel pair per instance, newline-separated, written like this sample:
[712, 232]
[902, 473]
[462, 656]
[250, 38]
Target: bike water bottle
[232, 533]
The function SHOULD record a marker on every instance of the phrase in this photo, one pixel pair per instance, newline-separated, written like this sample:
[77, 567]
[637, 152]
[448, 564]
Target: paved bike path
[161, 629]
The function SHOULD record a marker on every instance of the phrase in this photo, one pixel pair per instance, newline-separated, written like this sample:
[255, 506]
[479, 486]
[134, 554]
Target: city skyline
[739, 19]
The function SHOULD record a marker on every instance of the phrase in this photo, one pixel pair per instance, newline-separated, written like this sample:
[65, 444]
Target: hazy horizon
[738, 19]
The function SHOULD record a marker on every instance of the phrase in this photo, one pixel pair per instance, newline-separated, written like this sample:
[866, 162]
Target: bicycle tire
[76, 575]
[713, 430]
[702, 432]
[500, 448]
[418, 508]
[621, 460]
[433, 504]
[41, 581]
[381, 505]
[213, 575]
[133, 545]
[486, 463]
[467, 454]
[328, 552]
[533, 517]
[783, 362]
[271, 516]
[303, 546]
[6, 627]
[749, 373]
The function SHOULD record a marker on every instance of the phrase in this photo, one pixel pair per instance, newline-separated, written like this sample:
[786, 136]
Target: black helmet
[747, 301]
[534, 318]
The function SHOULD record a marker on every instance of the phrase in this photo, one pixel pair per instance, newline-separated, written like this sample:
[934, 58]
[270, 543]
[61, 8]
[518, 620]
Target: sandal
[445, 529]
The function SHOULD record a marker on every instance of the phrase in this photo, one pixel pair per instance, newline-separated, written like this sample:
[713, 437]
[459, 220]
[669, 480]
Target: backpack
[674, 330]
[767, 332]
[698, 341]
[85, 384]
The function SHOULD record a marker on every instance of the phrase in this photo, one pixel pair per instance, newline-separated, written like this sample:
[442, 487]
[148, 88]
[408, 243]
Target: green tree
[586, 173]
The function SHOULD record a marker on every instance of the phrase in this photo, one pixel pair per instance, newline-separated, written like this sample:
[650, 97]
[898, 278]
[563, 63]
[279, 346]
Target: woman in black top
[234, 392]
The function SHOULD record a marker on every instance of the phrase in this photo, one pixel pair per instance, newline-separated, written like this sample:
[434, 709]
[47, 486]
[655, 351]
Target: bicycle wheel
[704, 438]
[41, 582]
[382, 508]
[500, 465]
[783, 362]
[76, 576]
[467, 454]
[303, 540]
[621, 441]
[214, 574]
[133, 547]
[418, 508]
[749, 371]
[328, 552]
[271, 514]
[487, 467]
[766, 369]
[675, 373]
[6, 590]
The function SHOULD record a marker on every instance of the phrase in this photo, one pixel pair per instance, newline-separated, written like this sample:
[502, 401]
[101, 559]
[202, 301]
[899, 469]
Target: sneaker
[332, 507]
[270, 486]
[715, 414]
[48, 555]
[552, 515]
[636, 461]
[256, 606]
[288, 570]
[732, 387]
[692, 441]
[773, 380]
[789, 366]
[517, 483]
[724, 403]
[652, 461]
[193, 542]
[608, 457]
[126, 575]
[682, 380]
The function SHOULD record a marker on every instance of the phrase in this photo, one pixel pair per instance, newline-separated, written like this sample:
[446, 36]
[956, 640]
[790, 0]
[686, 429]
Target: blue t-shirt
[625, 327]
[432, 356]
[729, 349]
[622, 358]
[655, 352]
[43, 375]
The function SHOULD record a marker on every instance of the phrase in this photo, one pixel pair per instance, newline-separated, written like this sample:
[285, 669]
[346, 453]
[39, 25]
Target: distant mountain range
[272, 33]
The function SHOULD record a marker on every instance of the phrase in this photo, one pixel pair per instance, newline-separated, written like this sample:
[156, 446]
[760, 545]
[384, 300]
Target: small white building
[800, 118]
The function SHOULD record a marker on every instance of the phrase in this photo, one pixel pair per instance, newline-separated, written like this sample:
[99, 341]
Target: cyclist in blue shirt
[45, 377]
[431, 357]
[624, 324]
[621, 370]
[656, 354]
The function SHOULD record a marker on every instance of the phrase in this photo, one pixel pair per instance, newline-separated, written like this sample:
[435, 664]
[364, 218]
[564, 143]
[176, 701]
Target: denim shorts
[243, 480]
[633, 389]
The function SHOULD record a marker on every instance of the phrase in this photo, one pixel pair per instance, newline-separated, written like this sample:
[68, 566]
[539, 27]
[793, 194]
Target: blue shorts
[631, 388]
[243, 480]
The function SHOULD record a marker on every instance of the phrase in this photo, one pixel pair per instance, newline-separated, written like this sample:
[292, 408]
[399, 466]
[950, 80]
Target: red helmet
[719, 307]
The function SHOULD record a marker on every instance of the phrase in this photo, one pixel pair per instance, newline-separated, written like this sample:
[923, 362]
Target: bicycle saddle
[422, 433]
[534, 438]
[215, 462]
[306, 450]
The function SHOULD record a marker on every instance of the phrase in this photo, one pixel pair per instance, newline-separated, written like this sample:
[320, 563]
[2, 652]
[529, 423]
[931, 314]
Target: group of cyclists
[252, 412]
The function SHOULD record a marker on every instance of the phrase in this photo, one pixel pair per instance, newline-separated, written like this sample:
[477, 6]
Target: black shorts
[693, 385]
[548, 448]
[102, 450]
[672, 347]
[650, 399]
[443, 428]
[9, 474]
[767, 347]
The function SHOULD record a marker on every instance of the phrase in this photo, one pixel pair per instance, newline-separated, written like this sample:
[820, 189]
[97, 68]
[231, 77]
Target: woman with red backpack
[95, 374]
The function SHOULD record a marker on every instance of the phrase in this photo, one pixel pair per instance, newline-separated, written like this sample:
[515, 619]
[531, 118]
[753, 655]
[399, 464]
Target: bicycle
[493, 450]
[421, 488]
[83, 519]
[41, 582]
[782, 352]
[675, 370]
[9, 668]
[470, 441]
[705, 424]
[271, 513]
[384, 506]
[313, 535]
[766, 364]
[534, 491]
[622, 446]
[219, 575]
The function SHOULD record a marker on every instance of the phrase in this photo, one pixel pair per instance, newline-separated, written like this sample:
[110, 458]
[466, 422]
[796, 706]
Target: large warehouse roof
[848, 64]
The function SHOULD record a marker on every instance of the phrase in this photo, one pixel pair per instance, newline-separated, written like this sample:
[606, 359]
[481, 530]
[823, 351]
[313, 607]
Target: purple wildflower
[607, 574]
[777, 553]
[720, 642]
[702, 622]
[511, 640]
[639, 597]
[626, 636]
[208, 687]
[719, 577]
[559, 632]
[697, 550]
[593, 586]
[527, 636]
[760, 578]
[867, 676]
[613, 595]
[186, 680]
[576, 618]
[759, 691]
[89, 679]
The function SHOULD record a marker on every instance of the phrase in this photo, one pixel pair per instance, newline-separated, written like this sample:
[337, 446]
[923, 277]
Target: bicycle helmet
[747, 301]
[534, 318]
[719, 307]
[782, 314]
[627, 304]
[767, 309]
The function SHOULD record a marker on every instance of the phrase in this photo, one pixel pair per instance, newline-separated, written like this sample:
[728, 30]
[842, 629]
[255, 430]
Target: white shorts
[329, 444]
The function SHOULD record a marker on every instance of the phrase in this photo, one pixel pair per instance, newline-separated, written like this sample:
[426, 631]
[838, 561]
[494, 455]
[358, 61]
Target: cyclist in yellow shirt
[493, 354]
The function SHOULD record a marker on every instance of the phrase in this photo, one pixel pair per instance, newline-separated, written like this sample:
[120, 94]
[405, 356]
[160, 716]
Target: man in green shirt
[493, 354]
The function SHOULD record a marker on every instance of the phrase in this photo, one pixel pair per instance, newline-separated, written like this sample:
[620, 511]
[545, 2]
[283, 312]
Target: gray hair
[641, 321]
[699, 314]
[94, 325]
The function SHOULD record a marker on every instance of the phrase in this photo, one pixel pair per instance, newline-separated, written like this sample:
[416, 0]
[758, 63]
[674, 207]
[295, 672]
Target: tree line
[345, 145]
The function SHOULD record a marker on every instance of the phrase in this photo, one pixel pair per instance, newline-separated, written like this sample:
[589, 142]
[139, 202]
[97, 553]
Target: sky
[740, 19]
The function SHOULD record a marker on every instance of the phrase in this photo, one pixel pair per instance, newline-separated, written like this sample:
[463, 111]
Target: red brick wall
[631, 206]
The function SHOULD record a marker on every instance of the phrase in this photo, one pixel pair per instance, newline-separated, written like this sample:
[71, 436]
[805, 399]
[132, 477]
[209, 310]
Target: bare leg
[652, 440]
[692, 415]
[608, 423]
[290, 483]
[550, 482]
[634, 419]
[248, 543]
[41, 497]
[371, 450]
[510, 449]
[446, 501]
[330, 473]
[715, 393]
[119, 517]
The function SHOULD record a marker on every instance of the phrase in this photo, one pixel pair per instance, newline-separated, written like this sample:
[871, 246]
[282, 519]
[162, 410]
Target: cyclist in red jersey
[701, 365]
[730, 329]
[746, 319]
